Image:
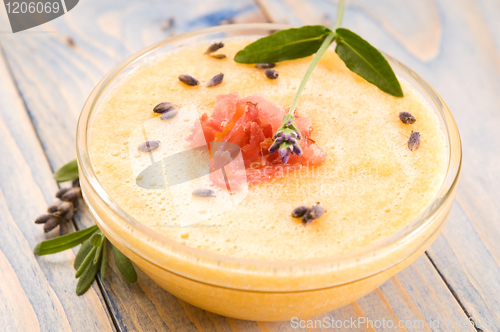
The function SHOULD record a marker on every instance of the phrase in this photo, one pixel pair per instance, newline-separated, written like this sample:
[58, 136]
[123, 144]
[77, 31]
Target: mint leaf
[64, 242]
[284, 45]
[67, 173]
[366, 61]
[124, 265]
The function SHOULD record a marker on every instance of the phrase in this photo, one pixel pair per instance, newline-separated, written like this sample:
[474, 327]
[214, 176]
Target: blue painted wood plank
[44, 293]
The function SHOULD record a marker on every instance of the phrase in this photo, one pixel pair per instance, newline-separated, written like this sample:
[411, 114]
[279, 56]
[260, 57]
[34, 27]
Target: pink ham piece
[251, 122]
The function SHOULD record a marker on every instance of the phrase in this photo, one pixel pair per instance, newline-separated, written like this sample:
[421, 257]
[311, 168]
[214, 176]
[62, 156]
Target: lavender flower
[286, 139]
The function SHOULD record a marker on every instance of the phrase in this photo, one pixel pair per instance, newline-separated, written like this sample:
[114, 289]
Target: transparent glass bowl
[253, 289]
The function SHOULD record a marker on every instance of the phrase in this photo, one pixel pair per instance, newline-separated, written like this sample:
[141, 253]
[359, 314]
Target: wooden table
[47, 72]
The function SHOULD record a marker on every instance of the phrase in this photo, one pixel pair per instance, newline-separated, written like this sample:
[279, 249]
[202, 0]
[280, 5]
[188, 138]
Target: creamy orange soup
[371, 184]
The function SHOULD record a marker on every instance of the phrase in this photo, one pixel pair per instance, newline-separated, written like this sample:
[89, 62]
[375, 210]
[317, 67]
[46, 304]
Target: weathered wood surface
[35, 293]
[453, 44]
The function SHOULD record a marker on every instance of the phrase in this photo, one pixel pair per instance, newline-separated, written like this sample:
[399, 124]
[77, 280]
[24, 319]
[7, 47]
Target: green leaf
[124, 265]
[86, 278]
[104, 261]
[99, 248]
[284, 45]
[88, 259]
[82, 253]
[64, 242]
[67, 173]
[366, 61]
[96, 238]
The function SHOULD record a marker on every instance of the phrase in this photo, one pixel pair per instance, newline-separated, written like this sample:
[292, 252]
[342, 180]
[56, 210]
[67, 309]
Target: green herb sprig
[68, 172]
[93, 254]
[358, 55]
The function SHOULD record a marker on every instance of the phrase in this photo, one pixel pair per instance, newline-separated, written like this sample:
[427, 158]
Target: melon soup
[216, 229]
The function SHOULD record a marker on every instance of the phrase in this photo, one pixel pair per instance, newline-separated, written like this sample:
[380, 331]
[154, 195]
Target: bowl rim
[250, 266]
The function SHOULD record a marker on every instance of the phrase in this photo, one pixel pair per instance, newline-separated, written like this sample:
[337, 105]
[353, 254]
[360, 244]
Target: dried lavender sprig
[288, 120]
[285, 139]
[62, 210]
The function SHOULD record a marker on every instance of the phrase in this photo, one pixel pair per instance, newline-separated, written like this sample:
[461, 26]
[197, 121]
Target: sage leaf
[366, 61]
[96, 239]
[67, 173]
[88, 259]
[284, 45]
[86, 279]
[82, 253]
[99, 249]
[104, 261]
[64, 242]
[124, 265]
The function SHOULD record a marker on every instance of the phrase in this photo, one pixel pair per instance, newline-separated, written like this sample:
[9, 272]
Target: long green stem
[340, 15]
[319, 54]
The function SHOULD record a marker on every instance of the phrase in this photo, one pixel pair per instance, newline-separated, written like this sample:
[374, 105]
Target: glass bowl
[253, 289]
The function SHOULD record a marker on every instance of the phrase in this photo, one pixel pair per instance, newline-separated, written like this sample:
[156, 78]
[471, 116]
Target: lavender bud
[278, 134]
[66, 210]
[272, 74]
[292, 140]
[214, 47]
[148, 146]
[280, 140]
[407, 118]
[170, 113]
[297, 150]
[414, 140]
[72, 195]
[42, 219]
[299, 211]
[274, 147]
[52, 223]
[53, 208]
[216, 80]
[163, 107]
[61, 192]
[265, 65]
[63, 228]
[316, 211]
[284, 153]
[204, 192]
[188, 80]
[218, 56]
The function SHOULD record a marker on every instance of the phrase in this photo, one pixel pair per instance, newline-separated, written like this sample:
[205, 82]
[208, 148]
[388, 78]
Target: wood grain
[427, 35]
[15, 303]
[36, 293]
